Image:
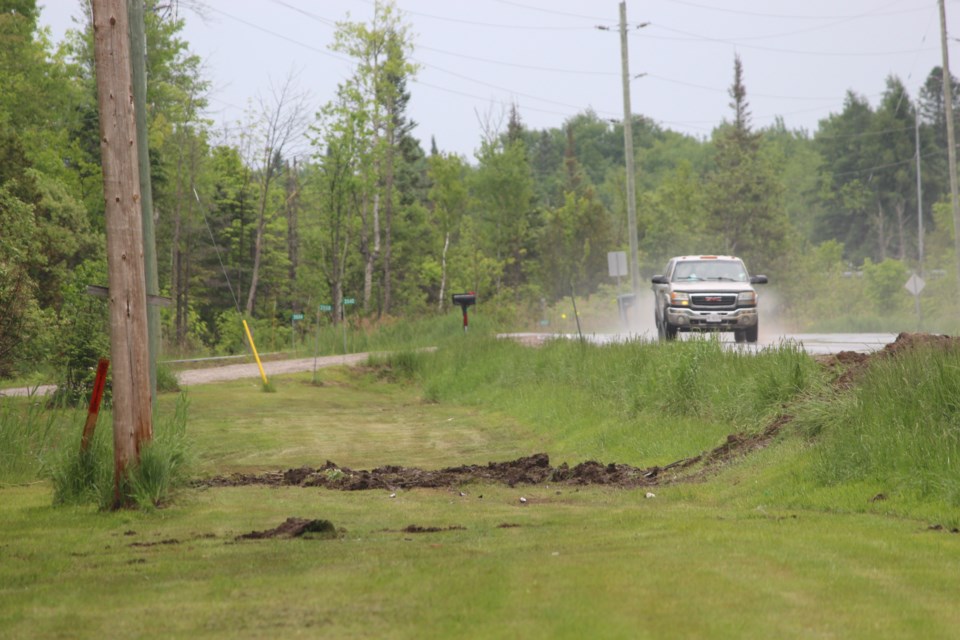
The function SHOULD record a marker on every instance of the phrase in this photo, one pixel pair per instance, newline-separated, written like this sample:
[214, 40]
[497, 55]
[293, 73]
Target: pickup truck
[706, 293]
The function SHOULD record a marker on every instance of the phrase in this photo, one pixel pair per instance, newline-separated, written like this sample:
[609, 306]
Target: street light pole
[951, 139]
[628, 153]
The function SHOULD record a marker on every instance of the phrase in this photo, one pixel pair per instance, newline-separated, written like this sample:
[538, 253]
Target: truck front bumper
[713, 320]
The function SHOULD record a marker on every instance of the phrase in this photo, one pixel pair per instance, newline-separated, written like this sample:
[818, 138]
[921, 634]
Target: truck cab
[707, 293]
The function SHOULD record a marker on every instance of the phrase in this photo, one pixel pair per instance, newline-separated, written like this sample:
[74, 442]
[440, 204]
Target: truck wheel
[739, 336]
[669, 332]
[753, 333]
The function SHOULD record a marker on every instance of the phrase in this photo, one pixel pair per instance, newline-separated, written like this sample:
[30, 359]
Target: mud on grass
[847, 368]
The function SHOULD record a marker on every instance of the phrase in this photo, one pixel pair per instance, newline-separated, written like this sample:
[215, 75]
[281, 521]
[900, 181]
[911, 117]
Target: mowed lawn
[722, 558]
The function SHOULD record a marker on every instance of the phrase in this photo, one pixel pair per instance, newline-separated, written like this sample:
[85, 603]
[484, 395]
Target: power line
[518, 65]
[489, 25]
[758, 14]
[735, 42]
[550, 11]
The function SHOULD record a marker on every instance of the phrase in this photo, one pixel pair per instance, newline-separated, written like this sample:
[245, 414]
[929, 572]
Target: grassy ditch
[637, 403]
[770, 544]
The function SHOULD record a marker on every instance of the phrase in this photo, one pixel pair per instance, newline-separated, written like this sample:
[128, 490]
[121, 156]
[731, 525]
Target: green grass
[900, 428]
[637, 403]
[764, 546]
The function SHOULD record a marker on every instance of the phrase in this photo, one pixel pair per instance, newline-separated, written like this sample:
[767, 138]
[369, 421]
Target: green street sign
[349, 301]
[326, 307]
[297, 316]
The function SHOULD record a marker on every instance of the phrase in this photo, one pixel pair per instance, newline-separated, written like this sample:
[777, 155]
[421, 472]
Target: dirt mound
[849, 366]
[529, 470]
[295, 528]
[536, 469]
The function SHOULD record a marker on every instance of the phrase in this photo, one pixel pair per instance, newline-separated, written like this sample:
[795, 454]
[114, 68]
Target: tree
[278, 122]
[868, 177]
[340, 184]
[576, 236]
[449, 200]
[382, 50]
[746, 212]
[503, 188]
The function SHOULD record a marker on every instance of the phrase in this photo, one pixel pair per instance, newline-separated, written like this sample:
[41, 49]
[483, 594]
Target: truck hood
[711, 286]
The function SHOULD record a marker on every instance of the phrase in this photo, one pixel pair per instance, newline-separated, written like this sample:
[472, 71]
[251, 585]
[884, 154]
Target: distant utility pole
[628, 152]
[951, 140]
[132, 416]
[138, 67]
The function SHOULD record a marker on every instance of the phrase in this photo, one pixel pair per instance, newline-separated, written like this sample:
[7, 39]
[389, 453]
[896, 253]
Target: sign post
[915, 285]
[343, 307]
[293, 330]
[316, 351]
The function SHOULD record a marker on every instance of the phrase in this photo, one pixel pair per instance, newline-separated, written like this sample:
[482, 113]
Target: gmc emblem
[713, 299]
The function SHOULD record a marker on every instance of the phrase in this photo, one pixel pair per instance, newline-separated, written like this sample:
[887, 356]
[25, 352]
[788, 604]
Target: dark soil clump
[529, 470]
[413, 528]
[295, 528]
[849, 366]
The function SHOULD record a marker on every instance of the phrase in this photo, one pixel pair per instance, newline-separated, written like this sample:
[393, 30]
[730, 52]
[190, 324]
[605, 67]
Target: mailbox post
[464, 300]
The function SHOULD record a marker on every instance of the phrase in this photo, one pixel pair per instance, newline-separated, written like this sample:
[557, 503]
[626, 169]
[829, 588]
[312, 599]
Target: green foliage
[611, 401]
[84, 336]
[19, 321]
[85, 477]
[506, 220]
[166, 379]
[747, 216]
[898, 428]
[30, 432]
[884, 285]
[163, 467]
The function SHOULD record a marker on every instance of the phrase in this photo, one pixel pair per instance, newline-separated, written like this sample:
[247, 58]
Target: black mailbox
[464, 300]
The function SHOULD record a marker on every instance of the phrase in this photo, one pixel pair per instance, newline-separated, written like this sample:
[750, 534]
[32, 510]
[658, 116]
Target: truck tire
[739, 335]
[670, 332]
[753, 333]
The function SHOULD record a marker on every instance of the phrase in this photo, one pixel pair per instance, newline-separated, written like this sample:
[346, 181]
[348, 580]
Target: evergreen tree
[746, 210]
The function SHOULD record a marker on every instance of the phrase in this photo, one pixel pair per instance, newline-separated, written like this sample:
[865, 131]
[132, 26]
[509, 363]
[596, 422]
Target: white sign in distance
[915, 284]
[617, 263]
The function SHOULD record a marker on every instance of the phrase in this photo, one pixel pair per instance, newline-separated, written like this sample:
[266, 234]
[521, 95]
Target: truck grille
[713, 300]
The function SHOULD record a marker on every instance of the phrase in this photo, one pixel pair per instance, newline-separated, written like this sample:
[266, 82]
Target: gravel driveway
[227, 372]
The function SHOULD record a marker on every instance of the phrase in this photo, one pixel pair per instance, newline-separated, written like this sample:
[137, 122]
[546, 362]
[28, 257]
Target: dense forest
[305, 207]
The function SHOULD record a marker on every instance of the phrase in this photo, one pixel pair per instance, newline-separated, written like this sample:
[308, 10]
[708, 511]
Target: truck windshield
[728, 270]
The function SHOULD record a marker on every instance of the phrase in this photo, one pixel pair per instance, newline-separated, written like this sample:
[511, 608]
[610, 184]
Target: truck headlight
[747, 297]
[679, 299]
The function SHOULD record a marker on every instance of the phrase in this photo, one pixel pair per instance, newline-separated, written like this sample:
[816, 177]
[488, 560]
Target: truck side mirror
[758, 279]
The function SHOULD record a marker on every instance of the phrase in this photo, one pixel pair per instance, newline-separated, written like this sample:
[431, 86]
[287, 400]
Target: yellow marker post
[256, 357]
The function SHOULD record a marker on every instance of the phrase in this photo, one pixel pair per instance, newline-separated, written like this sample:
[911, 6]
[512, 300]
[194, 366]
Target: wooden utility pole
[951, 139]
[138, 68]
[628, 153]
[132, 418]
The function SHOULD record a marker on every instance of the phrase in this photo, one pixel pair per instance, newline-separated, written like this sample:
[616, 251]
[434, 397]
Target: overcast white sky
[549, 57]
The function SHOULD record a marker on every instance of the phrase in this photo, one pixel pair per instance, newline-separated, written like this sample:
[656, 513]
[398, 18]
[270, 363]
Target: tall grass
[640, 402]
[163, 467]
[900, 427]
[30, 431]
